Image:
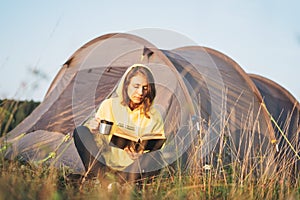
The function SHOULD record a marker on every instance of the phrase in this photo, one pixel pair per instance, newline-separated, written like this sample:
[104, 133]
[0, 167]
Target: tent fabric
[195, 85]
[281, 104]
[35, 147]
[234, 101]
[285, 110]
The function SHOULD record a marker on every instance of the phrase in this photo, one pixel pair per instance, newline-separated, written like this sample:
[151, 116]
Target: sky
[37, 37]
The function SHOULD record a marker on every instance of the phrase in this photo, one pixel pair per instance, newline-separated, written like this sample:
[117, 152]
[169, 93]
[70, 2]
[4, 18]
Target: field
[23, 181]
[259, 178]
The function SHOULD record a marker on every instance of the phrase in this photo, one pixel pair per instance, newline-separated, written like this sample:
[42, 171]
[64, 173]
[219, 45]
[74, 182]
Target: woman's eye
[145, 88]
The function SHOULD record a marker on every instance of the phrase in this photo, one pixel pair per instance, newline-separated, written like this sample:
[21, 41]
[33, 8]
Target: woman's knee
[80, 130]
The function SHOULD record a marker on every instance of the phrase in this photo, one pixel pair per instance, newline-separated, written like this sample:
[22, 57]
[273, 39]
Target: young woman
[132, 112]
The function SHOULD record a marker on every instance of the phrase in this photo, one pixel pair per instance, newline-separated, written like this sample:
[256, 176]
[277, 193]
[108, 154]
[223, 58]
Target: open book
[147, 142]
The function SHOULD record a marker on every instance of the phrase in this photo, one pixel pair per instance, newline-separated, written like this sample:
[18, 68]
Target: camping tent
[203, 96]
[88, 77]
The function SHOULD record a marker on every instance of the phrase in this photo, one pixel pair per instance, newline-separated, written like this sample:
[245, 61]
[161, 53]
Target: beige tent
[285, 110]
[203, 96]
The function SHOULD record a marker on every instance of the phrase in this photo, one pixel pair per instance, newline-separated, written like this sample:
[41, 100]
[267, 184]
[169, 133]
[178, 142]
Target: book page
[150, 136]
[126, 135]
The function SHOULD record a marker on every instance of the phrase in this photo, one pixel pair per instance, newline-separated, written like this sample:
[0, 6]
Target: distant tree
[13, 112]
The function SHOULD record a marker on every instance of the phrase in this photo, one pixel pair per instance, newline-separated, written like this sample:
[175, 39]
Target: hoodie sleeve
[159, 124]
[105, 111]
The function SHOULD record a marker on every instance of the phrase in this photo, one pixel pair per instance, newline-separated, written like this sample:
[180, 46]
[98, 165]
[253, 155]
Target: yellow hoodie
[130, 121]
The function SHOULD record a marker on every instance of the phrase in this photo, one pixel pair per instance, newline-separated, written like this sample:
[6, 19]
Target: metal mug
[105, 127]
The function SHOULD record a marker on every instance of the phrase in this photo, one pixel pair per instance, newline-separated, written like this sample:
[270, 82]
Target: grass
[257, 176]
[223, 181]
[21, 181]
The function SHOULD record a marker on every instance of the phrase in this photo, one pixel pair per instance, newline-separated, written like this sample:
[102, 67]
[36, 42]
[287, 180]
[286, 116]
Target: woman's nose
[140, 90]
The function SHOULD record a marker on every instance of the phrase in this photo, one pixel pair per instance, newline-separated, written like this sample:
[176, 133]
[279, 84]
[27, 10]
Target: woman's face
[137, 88]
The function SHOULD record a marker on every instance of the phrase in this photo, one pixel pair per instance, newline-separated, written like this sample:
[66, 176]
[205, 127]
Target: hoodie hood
[121, 83]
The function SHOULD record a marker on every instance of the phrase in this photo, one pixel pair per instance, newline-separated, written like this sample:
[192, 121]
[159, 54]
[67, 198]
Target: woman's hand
[132, 153]
[93, 125]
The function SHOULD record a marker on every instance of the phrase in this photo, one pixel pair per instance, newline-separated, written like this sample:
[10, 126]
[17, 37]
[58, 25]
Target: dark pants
[148, 164]
[88, 151]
